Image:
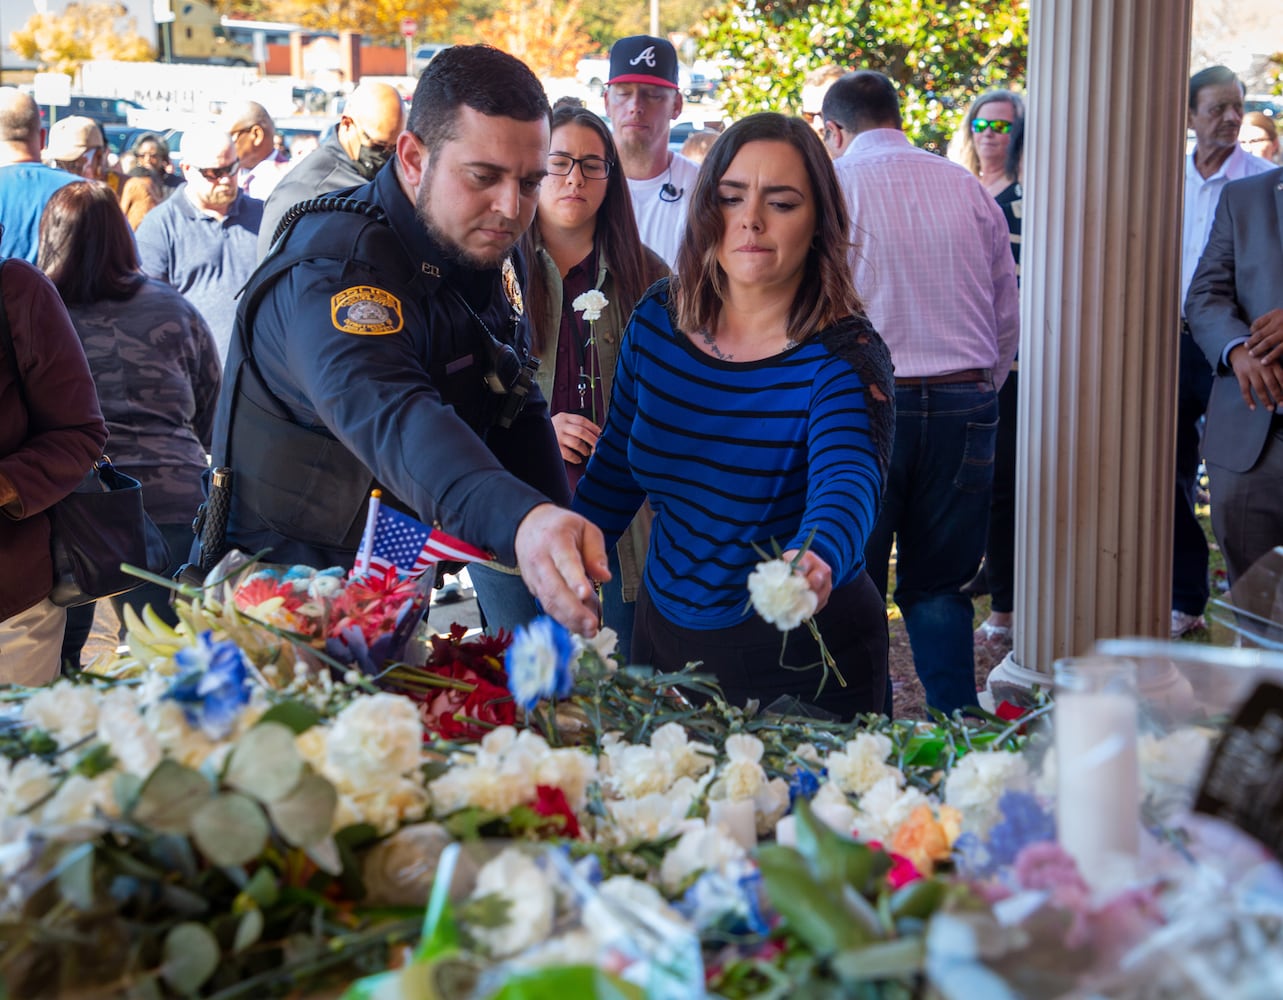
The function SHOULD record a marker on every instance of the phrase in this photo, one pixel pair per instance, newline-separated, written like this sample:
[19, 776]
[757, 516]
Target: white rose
[531, 903]
[781, 596]
[685, 757]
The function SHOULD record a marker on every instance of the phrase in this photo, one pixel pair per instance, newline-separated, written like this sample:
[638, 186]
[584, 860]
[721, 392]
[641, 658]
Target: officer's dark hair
[481, 77]
[615, 233]
[86, 247]
[862, 100]
[1213, 76]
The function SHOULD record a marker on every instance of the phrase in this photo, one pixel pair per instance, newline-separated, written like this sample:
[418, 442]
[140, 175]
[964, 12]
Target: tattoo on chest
[710, 341]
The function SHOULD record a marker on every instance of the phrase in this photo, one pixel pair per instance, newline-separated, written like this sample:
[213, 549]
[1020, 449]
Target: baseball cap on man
[643, 59]
[70, 138]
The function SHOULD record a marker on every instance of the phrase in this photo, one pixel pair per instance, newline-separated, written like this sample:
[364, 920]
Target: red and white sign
[409, 27]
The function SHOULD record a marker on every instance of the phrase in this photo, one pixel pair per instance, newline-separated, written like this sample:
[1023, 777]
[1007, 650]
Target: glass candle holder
[1097, 766]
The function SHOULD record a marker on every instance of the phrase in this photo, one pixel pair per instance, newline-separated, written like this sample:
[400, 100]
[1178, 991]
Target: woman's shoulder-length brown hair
[827, 293]
[86, 246]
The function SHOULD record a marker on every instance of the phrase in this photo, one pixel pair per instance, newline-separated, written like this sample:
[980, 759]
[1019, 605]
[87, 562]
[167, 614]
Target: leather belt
[952, 378]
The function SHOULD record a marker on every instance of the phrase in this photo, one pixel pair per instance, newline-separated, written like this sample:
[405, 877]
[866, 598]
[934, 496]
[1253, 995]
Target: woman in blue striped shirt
[753, 406]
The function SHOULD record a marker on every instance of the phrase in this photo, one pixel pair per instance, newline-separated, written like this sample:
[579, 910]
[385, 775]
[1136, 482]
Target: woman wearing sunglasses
[989, 144]
[584, 238]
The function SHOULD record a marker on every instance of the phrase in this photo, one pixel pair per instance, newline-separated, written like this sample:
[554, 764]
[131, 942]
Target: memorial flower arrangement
[198, 829]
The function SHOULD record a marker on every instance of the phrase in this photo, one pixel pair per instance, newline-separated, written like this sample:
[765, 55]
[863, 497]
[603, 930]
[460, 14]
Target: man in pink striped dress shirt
[933, 265]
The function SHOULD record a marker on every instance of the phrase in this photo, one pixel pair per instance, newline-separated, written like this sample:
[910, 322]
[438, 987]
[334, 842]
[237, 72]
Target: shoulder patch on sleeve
[366, 311]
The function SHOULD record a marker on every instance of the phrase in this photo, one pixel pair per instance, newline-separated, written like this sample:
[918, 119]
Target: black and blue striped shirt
[732, 456]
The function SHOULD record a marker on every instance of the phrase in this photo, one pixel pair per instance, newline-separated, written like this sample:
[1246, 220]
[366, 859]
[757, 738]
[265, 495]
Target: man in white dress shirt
[642, 98]
[1215, 114]
[933, 265]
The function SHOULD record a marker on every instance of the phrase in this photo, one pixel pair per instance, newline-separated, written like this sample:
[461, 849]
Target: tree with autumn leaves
[62, 43]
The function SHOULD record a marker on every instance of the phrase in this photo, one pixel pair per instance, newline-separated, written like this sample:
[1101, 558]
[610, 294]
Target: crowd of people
[766, 361]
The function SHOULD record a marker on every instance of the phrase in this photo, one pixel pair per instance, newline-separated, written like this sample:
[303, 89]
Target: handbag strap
[6, 340]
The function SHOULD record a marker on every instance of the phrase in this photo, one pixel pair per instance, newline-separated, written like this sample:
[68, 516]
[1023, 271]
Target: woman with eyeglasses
[1260, 136]
[990, 144]
[754, 408]
[584, 238]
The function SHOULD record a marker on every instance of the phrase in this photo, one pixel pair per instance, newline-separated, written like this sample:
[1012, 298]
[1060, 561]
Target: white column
[1100, 259]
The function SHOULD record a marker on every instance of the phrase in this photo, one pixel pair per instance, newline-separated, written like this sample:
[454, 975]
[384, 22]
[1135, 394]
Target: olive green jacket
[609, 331]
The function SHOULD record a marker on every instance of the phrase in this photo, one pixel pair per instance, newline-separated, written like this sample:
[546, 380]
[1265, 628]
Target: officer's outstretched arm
[560, 555]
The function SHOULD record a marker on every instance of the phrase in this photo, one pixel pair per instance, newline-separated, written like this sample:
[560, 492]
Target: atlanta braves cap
[643, 59]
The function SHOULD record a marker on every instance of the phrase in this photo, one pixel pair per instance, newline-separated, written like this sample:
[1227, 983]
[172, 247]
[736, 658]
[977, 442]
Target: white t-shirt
[661, 214]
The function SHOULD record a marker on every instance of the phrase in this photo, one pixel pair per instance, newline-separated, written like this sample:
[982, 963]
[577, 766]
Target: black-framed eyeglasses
[594, 168]
[997, 125]
[216, 174]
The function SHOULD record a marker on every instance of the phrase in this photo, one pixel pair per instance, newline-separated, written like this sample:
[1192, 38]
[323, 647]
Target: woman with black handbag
[155, 366]
[51, 431]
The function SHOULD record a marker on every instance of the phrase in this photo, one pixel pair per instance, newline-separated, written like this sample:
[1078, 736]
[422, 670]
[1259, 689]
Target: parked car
[694, 83]
[424, 54]
[104, 110]
[1270, 104]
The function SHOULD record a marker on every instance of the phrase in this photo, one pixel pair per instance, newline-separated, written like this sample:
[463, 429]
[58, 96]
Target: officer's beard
[452, 250]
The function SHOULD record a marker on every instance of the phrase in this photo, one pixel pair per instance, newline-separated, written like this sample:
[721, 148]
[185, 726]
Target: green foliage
[941, 54]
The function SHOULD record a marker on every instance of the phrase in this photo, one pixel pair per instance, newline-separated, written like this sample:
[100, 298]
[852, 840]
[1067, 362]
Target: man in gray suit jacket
[1235, 312]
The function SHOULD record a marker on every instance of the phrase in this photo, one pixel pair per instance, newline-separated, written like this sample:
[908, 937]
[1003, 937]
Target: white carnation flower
[636, 771]
[977, 782]
[655, 816]
[700, 848]
[531, 903]
[862, 764]
[126, 734]
[176, 737]
[23, 783]
[1176, 759]
[604, 644]
[570, 770]
[641, 901]
[384, 806]
[781, 596]
[590, 303]
[80, 800]
[67, 712]
[771, 803]
[686, 758]
[884, 807]
[833, 809]
[374, 738]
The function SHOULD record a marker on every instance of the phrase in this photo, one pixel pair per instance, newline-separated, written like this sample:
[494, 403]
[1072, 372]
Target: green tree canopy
[941, 54]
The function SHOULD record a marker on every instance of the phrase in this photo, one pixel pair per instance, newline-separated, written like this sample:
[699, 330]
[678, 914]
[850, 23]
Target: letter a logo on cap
[646, 55]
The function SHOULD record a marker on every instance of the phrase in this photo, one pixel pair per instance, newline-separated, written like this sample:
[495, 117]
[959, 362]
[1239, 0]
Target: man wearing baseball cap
[76, 146]
[642, 98]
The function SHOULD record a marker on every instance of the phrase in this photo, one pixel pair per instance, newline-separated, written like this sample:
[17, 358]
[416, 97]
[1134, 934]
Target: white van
[424, 54]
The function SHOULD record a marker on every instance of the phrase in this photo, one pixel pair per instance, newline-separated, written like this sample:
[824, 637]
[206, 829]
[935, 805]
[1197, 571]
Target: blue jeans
[937, 511]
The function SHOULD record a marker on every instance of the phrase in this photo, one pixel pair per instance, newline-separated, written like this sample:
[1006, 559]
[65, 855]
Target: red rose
[550, 801]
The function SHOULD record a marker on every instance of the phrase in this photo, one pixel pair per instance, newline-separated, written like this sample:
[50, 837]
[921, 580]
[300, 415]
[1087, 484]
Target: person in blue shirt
[753, 406]
[26, 184]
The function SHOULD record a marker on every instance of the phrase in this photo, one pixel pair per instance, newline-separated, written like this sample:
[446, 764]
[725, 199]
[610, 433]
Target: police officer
[378, 344]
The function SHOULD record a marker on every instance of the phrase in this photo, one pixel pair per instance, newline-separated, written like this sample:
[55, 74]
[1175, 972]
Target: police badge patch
[367, 311]
[512, 287]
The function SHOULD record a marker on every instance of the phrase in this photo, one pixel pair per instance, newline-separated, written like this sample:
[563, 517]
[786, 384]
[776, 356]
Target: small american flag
[402, 542]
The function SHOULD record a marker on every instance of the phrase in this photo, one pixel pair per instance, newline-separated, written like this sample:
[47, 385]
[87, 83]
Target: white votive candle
[1097, 766]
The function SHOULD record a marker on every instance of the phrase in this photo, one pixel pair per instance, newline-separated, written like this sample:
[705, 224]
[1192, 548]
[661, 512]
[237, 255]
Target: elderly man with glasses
[350, 155]
[202, 240]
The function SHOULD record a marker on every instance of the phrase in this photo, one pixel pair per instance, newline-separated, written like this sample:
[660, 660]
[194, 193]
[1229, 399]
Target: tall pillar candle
[1097, 766]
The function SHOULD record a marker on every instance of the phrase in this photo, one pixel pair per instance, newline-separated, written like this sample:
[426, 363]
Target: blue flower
[1023, 822]
[212, 685]
[803, 783]
[539, 662]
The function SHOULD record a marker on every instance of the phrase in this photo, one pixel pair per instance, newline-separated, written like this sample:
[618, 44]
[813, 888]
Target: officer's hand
[1266, 380]
[818, 574]
[576, 436]
[1266, 342]
[560, 554]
